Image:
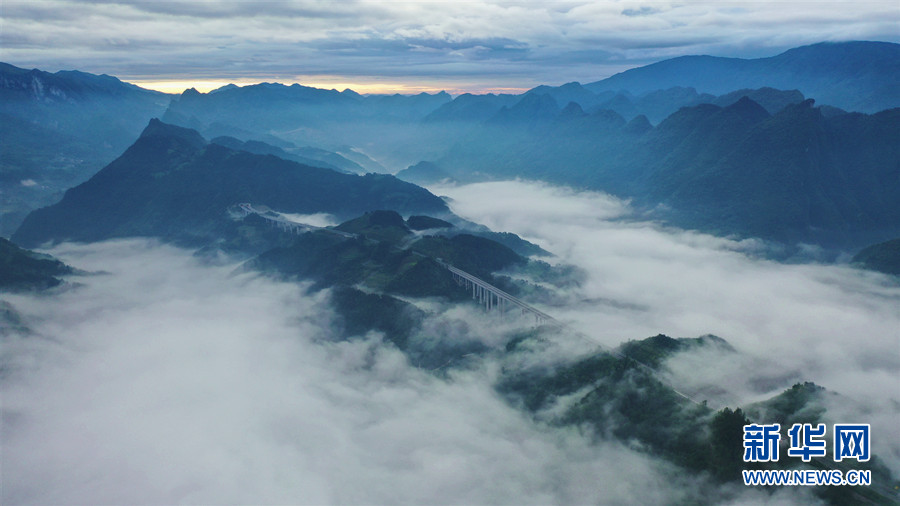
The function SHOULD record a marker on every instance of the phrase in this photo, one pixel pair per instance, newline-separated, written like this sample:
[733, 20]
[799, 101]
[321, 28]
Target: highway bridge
[488, 295]
[485, 293]
[277, 219]
[493, 298]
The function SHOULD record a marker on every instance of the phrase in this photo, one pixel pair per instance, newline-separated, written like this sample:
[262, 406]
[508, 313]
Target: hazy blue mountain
[384, 127]
[424, 173]
[855, 76]
[793, 176]
[262, 148]
[21, 269]
[170, 183]
[472, 108]
[658, 104]
[569, 92]
[797, 175]
[355, 156]
[883, 257]
[406, 107]
[306, 155]
[56, 130]
[772, 100]
[329, 159]
[532, 108]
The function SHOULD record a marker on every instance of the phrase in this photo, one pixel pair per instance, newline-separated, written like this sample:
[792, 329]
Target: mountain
[855, 76]
[531, 109]
[569, 92]
[797, 175]
[262, 148]
[468, 107]
[172, 184]
[57, 130]
[385, 127]
[424, 173]
[883, 257]
[658, 104]
[21, 269]
[772, 100]
[374, 259]
[328, 159]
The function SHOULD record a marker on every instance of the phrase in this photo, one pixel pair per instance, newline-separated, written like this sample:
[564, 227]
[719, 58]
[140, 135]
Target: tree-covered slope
[883, 257]
[21, 269]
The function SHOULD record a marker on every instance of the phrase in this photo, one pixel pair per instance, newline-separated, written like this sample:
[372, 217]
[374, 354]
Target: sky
[411, 46]
[164, 379]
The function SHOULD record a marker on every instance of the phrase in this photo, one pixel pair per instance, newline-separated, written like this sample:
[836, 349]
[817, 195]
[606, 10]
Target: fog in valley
[161, 378]
[830, 324]
[164, 380]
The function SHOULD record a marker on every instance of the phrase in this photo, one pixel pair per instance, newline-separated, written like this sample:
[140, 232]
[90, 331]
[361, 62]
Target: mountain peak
[856, 76]
[639, 125]
[747, 107]
[190, 93]
[572, 110]
[157, 128]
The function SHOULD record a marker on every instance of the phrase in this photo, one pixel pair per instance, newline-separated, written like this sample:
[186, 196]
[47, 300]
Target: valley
[577, 294]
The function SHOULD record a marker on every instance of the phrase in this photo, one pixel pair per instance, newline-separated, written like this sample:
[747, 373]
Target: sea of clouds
[163, 379]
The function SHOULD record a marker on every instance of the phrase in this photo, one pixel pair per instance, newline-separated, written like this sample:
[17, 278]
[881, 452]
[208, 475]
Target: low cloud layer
[831, 324]
[168, 381]
[461, 46]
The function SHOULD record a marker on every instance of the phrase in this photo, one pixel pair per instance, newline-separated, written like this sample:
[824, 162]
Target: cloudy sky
[410, 46]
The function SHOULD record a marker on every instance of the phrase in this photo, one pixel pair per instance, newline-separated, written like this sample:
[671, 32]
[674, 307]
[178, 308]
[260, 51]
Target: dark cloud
[499, 41]
[246, 9]
[643, 11]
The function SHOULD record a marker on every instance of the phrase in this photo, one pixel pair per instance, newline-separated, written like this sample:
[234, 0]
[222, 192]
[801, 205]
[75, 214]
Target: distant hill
[883, 257]
[384, 126]
[171, 183]
[57, 130]
[855, 76]
[262, 148]
[424, 173]
[468, 107]
[797, 175]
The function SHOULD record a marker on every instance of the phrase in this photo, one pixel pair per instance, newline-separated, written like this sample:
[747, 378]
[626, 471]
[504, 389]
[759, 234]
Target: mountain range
[730, 146]
[173, 184]
[738, 147]
[57, 130]
[805, 173]
[856, 76]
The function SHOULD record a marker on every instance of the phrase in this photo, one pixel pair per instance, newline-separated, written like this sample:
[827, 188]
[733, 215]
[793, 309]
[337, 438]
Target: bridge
[485, 293]
[278, 220]
[495, 298]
